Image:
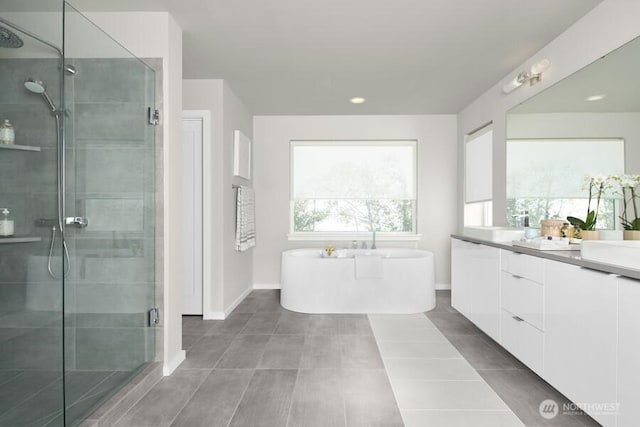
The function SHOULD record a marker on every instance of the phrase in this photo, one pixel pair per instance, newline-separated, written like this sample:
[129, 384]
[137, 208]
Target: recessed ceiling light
[357, 100]
[596, 97]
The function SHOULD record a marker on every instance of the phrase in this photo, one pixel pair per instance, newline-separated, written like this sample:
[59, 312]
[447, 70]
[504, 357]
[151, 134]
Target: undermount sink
[623, 253]
[493, 233]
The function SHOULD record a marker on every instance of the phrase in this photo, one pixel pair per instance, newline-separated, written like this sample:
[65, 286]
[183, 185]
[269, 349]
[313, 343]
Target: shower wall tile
[113, 121]
[110, 171]
[12, 297]
[106, 304]
[13, 73]
[12, 264]
[33, 122]
[114, 298]
[70, 348]
[115, 270]
[12, 166]
[115, 214]
[110, 80]
[110, 244]
[110, 348]
[32, 349]
[42, 171]
[111, 320]
[30, 320]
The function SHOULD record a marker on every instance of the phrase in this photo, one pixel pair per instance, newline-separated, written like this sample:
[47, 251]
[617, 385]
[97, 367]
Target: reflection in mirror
[586, 124]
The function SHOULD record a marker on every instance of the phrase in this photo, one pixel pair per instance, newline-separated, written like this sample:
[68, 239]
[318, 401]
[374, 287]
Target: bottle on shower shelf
[7, 133]
[6, 224]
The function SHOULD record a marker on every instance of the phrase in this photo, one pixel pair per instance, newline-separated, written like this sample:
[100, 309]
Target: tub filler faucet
[373, 243]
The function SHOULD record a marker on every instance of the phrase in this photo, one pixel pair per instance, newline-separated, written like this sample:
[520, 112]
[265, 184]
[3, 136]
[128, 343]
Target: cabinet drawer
[523, 341]
[524, 298]
[527, 266]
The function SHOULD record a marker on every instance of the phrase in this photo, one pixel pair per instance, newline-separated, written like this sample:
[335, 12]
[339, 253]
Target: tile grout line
[244, 392]
[133, 404]
[191, 395]
[293, 393]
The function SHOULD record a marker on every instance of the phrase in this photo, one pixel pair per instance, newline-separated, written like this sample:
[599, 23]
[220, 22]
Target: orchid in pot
[628, 185]
[597, 187]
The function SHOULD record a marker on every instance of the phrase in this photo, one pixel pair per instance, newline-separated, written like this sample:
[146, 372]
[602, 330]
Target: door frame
[205, 117]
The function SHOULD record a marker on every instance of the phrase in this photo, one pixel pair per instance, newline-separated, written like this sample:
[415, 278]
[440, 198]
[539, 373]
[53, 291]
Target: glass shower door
[31, 304]
[110, 211]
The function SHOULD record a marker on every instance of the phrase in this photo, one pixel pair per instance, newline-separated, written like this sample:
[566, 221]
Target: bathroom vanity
[574, 322]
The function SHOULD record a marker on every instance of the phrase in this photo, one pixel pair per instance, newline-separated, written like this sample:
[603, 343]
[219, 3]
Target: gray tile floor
[266, 366]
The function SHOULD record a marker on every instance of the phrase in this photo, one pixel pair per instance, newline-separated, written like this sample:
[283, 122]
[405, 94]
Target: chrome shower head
[35, 86]
[9, 39]
[38, 86]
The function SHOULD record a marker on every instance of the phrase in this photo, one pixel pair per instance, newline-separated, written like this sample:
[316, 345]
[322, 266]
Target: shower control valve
[78, 221]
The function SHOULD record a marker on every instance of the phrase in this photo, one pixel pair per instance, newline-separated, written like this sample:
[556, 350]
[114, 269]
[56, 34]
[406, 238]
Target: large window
[546, 177]
[353, 186]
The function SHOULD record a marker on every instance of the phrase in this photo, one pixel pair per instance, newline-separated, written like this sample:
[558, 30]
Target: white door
[192, 225]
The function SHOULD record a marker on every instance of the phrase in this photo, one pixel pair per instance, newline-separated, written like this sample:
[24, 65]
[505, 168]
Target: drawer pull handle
[515, 276]
[518, 319]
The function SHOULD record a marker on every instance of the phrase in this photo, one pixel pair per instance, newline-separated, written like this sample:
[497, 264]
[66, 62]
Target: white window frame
[352, 235]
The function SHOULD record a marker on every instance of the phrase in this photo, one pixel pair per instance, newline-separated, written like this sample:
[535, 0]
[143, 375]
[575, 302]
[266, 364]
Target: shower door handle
[77, 221]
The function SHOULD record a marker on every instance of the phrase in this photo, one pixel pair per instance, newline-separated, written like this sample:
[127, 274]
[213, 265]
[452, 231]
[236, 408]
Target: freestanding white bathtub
[358, 281]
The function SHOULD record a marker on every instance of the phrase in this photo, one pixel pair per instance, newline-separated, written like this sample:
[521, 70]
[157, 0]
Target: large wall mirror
[586, 124]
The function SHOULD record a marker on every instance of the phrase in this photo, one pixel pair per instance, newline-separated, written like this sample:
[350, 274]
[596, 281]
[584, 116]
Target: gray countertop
[569, 257]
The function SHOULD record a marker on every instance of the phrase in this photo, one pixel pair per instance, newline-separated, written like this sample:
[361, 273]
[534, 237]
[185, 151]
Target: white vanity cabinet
[475, 284]
[522, 304]
[579, 329]
[629, 352]
[461, 276]
[580, 339]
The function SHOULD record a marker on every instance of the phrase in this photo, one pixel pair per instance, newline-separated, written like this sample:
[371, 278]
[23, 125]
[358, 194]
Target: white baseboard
[221, 315]
[266, 286]
[443, 286]
[172, 365]
[228, 310]
[213, 315]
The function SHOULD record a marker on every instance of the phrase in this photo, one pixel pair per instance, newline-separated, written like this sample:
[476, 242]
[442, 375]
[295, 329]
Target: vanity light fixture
[357, 100]
[533, 76]
[598, 97]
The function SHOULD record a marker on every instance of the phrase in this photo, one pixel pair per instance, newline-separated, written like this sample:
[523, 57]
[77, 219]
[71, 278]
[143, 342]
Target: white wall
[436, 136]
[238, 266]
[606, 27]
[230, 271]
[156, 35]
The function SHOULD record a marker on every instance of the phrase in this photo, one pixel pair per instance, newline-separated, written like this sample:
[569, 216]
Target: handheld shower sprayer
[38, 87]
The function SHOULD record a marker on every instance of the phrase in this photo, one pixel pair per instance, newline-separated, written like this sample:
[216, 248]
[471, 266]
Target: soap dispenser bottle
[7, 134]
[6, 224]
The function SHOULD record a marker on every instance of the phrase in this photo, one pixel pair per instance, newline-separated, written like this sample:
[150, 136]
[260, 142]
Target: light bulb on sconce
[533, 76]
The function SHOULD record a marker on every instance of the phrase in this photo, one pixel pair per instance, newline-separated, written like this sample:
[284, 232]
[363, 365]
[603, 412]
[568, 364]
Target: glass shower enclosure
[77, 248]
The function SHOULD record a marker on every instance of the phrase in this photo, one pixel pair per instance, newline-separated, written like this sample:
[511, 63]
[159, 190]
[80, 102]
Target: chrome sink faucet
[373, 244]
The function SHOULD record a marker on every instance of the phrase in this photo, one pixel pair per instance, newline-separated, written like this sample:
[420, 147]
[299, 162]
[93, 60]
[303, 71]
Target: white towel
[368, 267]
[245, 219]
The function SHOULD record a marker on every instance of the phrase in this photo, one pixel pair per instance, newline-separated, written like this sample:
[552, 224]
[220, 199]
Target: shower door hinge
[154, 116]
[154, 317]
